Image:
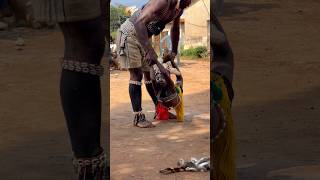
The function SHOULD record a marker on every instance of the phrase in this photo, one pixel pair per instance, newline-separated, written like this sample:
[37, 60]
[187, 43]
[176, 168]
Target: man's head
[184, 3]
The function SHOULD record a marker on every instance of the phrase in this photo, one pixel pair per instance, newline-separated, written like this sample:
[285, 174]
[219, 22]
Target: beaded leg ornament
[82, 67]
[91, 168]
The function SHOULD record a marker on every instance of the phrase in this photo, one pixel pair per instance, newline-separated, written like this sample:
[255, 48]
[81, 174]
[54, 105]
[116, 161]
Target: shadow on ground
[160, 147]
[278, 134]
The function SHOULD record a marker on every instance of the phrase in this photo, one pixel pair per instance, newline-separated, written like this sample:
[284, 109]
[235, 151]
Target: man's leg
[149, 87]
[81, 95]
[135, 89]
[135, 93]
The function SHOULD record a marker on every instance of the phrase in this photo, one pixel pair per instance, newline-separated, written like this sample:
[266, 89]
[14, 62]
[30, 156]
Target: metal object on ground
[194, 165]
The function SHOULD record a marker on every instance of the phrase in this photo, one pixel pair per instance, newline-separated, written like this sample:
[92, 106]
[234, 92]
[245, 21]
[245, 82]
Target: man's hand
[163, 70]
[172, 56]
[151, 57]
[179, 82]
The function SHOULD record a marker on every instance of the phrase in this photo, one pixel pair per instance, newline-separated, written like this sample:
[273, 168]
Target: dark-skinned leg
[149, 87]
[135, 93]
[135, 89]
[81, 96]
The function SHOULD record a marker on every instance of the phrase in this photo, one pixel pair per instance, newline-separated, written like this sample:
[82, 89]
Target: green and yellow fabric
[224, 140]
[180, 107]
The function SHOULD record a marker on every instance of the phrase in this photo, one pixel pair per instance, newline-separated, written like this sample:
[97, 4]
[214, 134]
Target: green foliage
[117, 17]
[181, 48]
[197, 52]
[114, 35]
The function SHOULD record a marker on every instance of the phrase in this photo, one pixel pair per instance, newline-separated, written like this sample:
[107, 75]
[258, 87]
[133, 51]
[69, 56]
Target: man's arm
[175, 35]
[223, 62]
[149, 13]
[179, 78]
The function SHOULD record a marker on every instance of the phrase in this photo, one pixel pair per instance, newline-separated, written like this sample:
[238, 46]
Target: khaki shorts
[133, 56]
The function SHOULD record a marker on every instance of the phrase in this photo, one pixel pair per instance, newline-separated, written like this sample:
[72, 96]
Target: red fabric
[162, 112]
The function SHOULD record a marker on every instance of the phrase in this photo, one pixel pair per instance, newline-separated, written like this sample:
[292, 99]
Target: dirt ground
[34, 142]
[141, 153]
[277, 85]
[276, 107]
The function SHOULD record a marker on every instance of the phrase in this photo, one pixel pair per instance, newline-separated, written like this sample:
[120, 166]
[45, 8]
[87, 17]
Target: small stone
[3, 26]
[20, 41]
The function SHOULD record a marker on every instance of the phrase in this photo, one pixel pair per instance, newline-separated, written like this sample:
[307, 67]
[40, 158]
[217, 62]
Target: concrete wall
[194, 26]
[196, 30]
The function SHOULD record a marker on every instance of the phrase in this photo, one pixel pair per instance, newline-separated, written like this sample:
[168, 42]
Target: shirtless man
[136, 52]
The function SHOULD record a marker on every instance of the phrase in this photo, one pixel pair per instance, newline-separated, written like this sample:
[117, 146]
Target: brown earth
[276, 107]
[277, 85]
[140, 153]
[34, 142]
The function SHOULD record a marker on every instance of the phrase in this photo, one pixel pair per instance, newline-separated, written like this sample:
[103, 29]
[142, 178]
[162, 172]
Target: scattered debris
[20, 43]
[194, 165]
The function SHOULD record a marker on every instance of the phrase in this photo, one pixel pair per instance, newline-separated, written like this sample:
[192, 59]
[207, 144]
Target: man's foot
[141, 122]
[91, 168]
